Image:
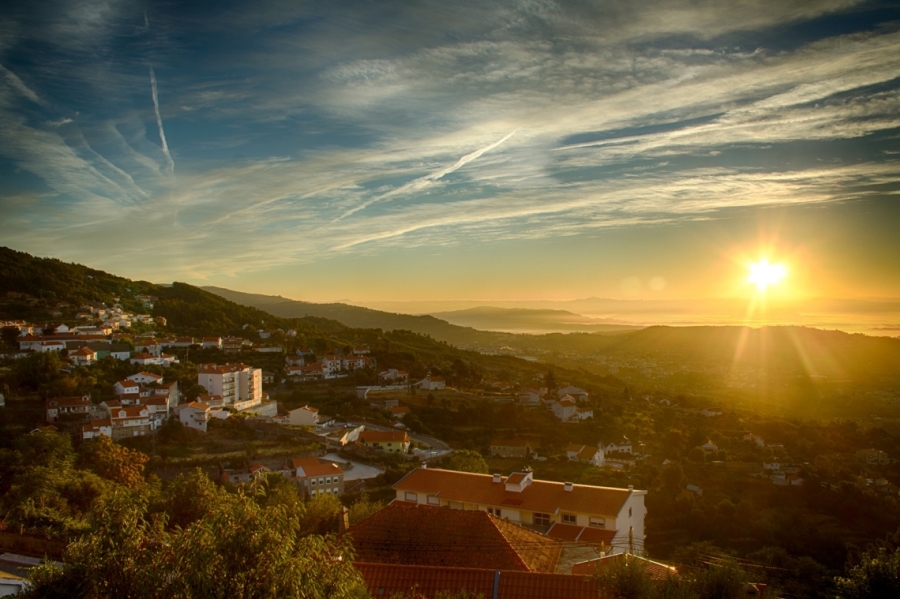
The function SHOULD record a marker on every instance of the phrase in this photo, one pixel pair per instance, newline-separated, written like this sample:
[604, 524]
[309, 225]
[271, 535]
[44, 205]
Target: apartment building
[239, 385]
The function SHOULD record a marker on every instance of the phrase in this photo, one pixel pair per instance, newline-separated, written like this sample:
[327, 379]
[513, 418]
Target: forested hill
[814, 352]
[354, 316]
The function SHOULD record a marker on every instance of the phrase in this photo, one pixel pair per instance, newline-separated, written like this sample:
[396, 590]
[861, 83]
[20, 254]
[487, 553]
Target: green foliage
[114, 462]
[238, 549]
[362, 508]
[466, 460]
[873, 573]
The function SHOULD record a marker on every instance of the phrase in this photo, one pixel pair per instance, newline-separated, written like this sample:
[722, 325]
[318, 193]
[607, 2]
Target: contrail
[162, 133]
[422, 182]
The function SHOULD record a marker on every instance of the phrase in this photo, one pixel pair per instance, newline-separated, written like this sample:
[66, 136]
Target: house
[304, 416]
[399, 412]
[194, 415]
[127, 387]
[530, 397]
[432, 383]
[387, 441]
[316, 476]
[145, 378]
[510, 448]
[565, 409]
[611, 516]
[393, 375]
[84, 356]
[623, 445]
[361, 350]
[398, 533]
[388, 580]
[211, 343]
[586, 454]
[96, 428]
[232, 344]
[355, 362]
[143, 359]
[68, 408]
[268, 377]
[238, 384]
[130, 421]
[579, 395]
[584, 413]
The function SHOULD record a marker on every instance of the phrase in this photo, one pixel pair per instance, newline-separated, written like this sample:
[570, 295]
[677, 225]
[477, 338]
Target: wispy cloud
[159, 123]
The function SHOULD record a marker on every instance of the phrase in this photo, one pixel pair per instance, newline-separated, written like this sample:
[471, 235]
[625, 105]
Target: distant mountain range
[524, 320]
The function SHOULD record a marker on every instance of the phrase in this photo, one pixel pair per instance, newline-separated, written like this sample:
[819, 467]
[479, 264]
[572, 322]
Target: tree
[239, 549]
[362, 508]
[673, 479]
[114, 462]
[466, 460]
[876, 574]
[550, 381]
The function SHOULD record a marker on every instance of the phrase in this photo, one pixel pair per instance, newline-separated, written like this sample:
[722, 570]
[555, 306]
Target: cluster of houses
[617, 454]
[567, 404]
[314, 476]
[304, 367]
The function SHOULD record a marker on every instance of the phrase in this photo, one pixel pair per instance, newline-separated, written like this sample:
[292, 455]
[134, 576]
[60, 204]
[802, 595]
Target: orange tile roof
[540, 496]
[315, 467]
[656, 570]
[581, 534]
[68, 402]
[384, 580]
[407, 533]
[370, 436]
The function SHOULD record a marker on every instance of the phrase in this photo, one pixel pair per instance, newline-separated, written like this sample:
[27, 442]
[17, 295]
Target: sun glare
[763, 274]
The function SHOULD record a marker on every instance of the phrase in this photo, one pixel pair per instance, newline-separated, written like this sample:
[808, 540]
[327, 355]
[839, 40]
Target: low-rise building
[387, 441]
[304, 416]
[610, 516]
[510, 448]
[317, 476]
[68, 408]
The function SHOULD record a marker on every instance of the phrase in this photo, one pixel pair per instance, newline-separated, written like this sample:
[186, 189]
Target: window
[569, 519]
[596, 522]
[409, 496]
[541, 519]
[313, 483]
[328, 480]
[494, 511]
[433, 500]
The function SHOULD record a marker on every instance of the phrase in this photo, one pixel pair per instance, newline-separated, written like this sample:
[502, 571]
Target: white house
[585, 453]
[573, 392]
[565, 409]
[146, 377]
[194, 415]
[83, 356]
[304, 416]
[127, 387]
[623, 445]
[432, 383]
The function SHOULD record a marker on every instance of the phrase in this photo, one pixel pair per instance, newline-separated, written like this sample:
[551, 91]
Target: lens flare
[763, 274]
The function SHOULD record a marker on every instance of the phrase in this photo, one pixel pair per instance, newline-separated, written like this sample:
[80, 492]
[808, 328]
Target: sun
[763, 274]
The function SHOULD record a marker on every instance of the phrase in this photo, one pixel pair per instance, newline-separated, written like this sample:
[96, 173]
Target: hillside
[354, 316]
[525, 320]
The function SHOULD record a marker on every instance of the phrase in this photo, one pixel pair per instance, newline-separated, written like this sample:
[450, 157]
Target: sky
[414, 151]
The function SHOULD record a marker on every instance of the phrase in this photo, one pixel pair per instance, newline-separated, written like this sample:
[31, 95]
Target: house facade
[238, 384]
[387, 441]
[304, 416]
[611, 516]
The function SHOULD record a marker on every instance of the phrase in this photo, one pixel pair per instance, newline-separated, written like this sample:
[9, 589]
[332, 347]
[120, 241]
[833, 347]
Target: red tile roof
[384, 580]
[405, 533]
[370, 436]
[581, 534]
[315, 467]
[540, 496]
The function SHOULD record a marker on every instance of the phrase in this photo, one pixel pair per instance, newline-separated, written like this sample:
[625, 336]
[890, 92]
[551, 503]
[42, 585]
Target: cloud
[20, 87]
[159, 123]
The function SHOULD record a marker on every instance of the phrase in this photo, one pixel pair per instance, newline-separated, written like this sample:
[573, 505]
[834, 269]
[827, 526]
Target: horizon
[537, 153]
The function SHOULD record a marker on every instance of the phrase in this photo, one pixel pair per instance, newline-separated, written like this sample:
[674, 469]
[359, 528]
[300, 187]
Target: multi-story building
[316, 476]
[238, 384]
[68, 408]
[578, 513]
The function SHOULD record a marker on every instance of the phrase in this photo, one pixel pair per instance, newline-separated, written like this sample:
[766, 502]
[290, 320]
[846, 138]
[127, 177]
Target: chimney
[631, 487]
[497, 478]
[568, 487]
